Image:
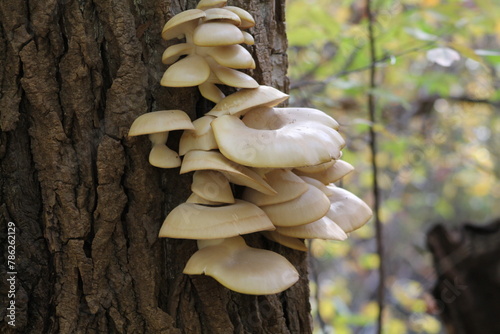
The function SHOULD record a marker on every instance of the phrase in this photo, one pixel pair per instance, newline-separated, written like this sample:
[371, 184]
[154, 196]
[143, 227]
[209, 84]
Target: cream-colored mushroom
[207, 4]
[318, 184]
[237, 174]
[212, 185]
[200, 138]
[317, 168]
[182, 24]
[323, 228]
[233, 56]
[305, 209]
[157, 124]
[174, 52]
[293, 243]
[217, 34]
[291, 145]
[347, 210]
[187, 72]
[245, 99]
[195, 221]
[160, 155]
[247, 21]
[230, 77]
[193, 198]
[242, 268]
[160, 121]
[331, 174]
[272, 118]
[287, 185]
[221, 15]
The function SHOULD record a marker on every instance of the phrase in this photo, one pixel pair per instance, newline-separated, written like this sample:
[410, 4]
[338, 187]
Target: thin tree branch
[374, 62]
[373, 147]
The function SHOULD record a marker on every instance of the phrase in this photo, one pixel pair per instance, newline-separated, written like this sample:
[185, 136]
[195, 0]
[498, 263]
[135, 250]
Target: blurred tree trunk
[467, 293]
[86, 203]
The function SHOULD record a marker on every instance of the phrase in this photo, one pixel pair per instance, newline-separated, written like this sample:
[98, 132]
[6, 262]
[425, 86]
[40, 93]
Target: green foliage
[438, 129]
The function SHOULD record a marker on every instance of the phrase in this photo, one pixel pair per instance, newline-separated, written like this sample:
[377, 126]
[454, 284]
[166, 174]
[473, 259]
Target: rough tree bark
[86, 203]
[468, 287]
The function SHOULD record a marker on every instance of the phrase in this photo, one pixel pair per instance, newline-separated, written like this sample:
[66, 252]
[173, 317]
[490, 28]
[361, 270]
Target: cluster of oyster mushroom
[286, 160]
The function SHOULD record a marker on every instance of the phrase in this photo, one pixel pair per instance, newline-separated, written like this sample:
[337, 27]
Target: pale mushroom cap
[221, 14]
[293, 145]
[237, 174]
[160, 121]
[173, 52]
[318, 184]
[217, 34]
[289, 242]
[331, 174]
[163, 157]
[201, 137]
[212, 185]
[206, 4]
[317, 168]
[193, 198]
[190, 71]
[272, 118]
[249, 40]
[233, 56]
[347, 210]
[287, 185]
[323, 228]
[211, 92]
[243, 269]
[195, 221]
[233, 78]
[305, 209]
[247, 21]
[177, 25]
[246, 99]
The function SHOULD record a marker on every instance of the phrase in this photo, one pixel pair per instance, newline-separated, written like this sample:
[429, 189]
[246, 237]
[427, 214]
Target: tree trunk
[468, 288]
[86, 203]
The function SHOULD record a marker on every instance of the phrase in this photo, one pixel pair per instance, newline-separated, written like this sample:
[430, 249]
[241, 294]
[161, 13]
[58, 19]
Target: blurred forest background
[438, 130]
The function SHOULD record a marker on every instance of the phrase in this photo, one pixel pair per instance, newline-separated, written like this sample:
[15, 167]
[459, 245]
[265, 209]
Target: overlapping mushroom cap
[213, 33]
[283, 160]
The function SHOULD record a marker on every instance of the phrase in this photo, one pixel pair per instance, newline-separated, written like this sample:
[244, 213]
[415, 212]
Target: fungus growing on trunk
[286, 159]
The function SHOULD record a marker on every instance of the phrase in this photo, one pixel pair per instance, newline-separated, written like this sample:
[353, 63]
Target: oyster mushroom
[242, 268]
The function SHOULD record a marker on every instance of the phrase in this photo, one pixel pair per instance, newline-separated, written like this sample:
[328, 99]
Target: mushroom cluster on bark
[286, 159]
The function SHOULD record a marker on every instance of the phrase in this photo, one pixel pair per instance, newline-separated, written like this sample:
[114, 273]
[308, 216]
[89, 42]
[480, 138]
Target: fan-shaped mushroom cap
[347, 210]
[246, 99]
[305, 209]
[317, 168]
[193, 198]
[195, 221]
[232, 77]
[289, 242]
[287, 185]
[323, 228]
[243, 269]
[237, 174]
[223, 15]
[206, 4]
[161, 156]
[173, 52]
[246, 18]
[248, 38]
[331, 174]
[233, 56]
[272, 118]
[217, 34]
[292, 145]
[190, 71]
[318, 184]
[212, 185]
[160, 121]
[200, 138]
[211, 92]
[177, 26]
